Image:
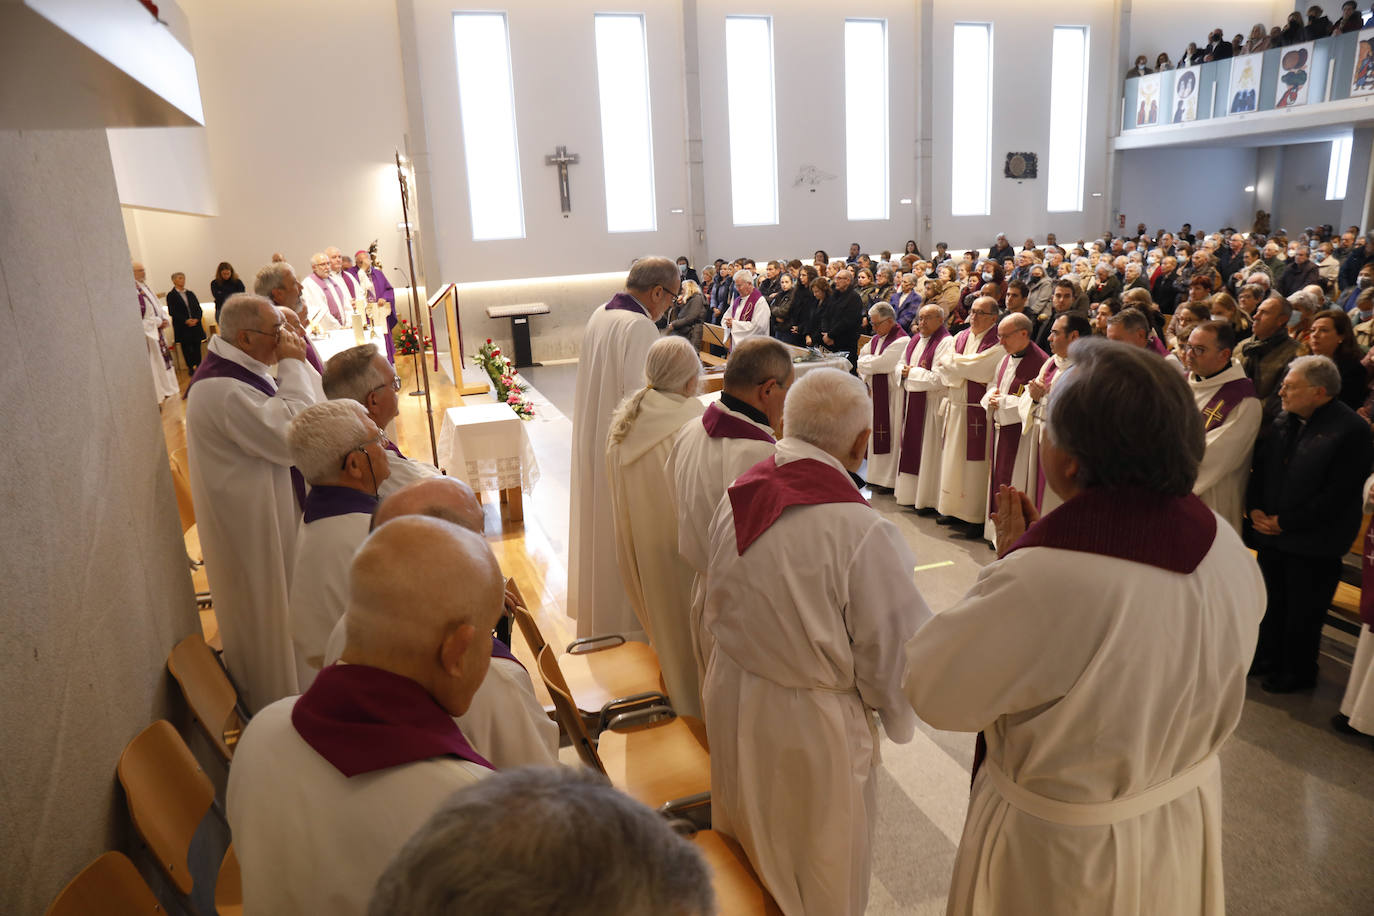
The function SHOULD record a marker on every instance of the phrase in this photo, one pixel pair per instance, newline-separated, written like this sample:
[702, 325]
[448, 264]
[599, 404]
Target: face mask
[682, 269]
[1319, 257]
[987, 276]
[1363, 282]
[1295, 319]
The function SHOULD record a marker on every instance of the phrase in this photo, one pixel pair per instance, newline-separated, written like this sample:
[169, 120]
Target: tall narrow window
[486, 100]
[1068, 113]
[1339, 169]
[627, 143]
[749, 101]
[865, 117]
[970, 190]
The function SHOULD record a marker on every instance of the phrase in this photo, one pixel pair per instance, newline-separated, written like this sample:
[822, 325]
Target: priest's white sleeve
[1229, 445]
[1009, 409]
[884, 610]
[884, 362]
[919, 379]
[757, 326]
[259, 426]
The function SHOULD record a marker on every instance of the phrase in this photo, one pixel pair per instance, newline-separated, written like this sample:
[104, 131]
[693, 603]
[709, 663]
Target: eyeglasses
[381, 437]
[672, 295]
[1194, 350]
[274, 333]
[1286, 385]
[982, 312]
[394, 384]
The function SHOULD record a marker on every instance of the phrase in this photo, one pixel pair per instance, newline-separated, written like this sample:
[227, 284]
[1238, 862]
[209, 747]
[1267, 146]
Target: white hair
[1319, 372]
[272, 277]
[672, 367]
[241, 312]
[745, 275]
[353, 373]
[322, 435]
[880, 310]
[827, 408]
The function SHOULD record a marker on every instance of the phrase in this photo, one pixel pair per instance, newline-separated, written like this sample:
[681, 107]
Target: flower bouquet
[509, 389]
[408, 339]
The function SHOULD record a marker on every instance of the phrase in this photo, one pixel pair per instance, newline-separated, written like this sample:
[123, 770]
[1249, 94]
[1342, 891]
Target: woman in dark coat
[225, 284]
[688, 313]
[1333, 337]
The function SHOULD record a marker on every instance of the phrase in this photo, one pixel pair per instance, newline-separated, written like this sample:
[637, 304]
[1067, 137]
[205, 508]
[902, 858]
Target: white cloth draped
[964, 483]
[319, 586]
[1008, 414]
[656, 577]
[317, 305]
[922, 489]
[1358, 702]
[155, 312]
[404, 471]
[882, 469]
[1032, 428]
[1225, 470]
[742, 329]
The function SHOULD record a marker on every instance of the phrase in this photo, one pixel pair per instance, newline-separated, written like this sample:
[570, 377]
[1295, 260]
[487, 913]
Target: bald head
[424, 595]
[444, 498]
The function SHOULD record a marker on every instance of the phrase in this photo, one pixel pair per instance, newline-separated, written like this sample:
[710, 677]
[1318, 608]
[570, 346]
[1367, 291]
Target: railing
[1208, 91]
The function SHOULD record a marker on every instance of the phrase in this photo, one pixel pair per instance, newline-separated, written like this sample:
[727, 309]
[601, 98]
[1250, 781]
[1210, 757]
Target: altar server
[1096, 794]
[327, 787]
[918, 463]
[1011, 451]
[339, 452]
[155, 318]
[877, 367]
[808, 605]
[1231, 414]
[964, 467]
[1064, 330]
[734, 434]
[748, 313]
[364, 375]
[326, 304]
[611, 365]
[246, 493]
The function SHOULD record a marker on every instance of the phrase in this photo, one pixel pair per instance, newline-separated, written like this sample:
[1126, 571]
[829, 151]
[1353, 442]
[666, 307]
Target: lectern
[519, 315]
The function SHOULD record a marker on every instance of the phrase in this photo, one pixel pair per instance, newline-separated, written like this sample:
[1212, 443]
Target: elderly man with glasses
[326, 302]
[247, 494]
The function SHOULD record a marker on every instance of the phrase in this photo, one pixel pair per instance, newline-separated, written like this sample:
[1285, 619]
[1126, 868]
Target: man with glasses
[1011, 452]
[1266, 355]
[967, 369]
[1230, 419]
[610, 367]
[338, 449]
[247, 494]
[325, 301]
[364, 374]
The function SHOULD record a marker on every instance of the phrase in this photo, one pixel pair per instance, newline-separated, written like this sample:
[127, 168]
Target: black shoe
[927, 511]
[1287, 683]
[1341, 723]
[947, 520]
[968, 531]
[1259, 669]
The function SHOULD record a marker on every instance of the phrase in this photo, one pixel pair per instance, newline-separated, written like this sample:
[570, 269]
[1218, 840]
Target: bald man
[505, 723]
[327, 787]
[1011, 454]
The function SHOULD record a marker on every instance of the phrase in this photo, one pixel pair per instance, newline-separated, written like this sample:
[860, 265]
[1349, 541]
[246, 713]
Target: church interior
[474, 153]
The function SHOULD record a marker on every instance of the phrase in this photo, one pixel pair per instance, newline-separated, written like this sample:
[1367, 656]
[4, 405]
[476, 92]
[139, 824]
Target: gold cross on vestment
[1211, 416]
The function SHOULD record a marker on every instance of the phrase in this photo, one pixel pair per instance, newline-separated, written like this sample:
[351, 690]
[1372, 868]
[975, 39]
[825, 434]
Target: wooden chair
[110, 885]
[229, 885]
[739, 891]
[169, 794]
[650, 753]
[181, 483]
[208, 692]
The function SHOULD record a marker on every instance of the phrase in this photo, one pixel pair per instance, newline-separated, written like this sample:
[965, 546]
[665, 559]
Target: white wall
[1168, 25]
[1300, 188]
[808, 61]
[1165, 188]
[163, 168]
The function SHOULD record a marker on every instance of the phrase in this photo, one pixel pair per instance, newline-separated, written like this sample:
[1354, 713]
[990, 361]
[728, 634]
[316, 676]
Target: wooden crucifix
[562, 158]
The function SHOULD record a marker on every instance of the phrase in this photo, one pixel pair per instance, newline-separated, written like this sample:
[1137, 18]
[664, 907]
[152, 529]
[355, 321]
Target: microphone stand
[422, 370]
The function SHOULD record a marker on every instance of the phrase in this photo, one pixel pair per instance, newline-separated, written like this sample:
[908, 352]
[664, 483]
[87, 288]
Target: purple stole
[913, 433]
[329, 296]
[1227, 398]
[363, 719]
[392, 447]
[882, 404]
[746, 313]
[1040, 468]
[976, 421]
[312, 356]
[721, 424]
[1367, 579]
[761, 494]
[1158, 345]
[216, 366]
[501, 650]
[624, 302]
[351, 282]
[142, 313]
[328, 501]
[1008, 438]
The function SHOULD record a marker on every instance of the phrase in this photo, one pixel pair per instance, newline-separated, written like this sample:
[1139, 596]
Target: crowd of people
[1294, 31]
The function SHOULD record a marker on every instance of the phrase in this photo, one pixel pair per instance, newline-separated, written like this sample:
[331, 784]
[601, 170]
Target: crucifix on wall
[562, 158]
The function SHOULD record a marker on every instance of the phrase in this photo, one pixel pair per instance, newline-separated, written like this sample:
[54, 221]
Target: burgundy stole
[761, 494]
[913, 431]
[1227, 398]
[746, 313]
[624, 302]
[976, 420]
[329, 296]
[1008, 438]
[328, 501]
[142, 313]
[1367, 579]
[1040, 468]
[363, 719]
[719, 423]
[882, 404]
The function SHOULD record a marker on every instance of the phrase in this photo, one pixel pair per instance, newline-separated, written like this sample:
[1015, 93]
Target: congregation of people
[1212, 388]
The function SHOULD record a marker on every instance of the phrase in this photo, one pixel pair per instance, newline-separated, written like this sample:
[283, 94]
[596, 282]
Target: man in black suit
[184, 308]
[841, 317]
[1218, 48]
[1305, 509]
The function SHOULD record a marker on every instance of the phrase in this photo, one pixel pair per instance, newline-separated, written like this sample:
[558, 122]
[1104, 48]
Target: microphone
[403, 273]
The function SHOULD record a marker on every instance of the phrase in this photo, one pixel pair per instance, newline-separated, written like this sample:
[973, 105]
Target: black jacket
[1310, 475]
[1318, 28]
[1350, 267]
[223, 289]
[803, 315]
[841, 316]
[181, 312]
[1295, 276]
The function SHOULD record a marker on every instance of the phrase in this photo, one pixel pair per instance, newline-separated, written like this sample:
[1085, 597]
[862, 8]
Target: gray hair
[1304, 300]
[1132, 319]
[646, 273]
[880, 310]
[746, 275]
[1128, 418]
[353, 373]
[754, 361]
[322, 435]
[271, 277]
[938, 308]
[672, 366]
[1319, 372]
[241, 312]
[827, 408]
[567, 843]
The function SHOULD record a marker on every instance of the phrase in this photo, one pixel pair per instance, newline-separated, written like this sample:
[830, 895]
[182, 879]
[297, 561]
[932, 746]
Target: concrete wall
[1205, 187]
[1300, 188]
[96, 589]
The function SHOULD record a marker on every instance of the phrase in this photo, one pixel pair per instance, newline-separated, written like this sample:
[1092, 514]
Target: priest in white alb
[1065, 329]
[609, 368]
[923, 428]
[339, 452]
[328, 786]
[326, 305]
[1011, 459]
[1356, 715]
[1102, 658]
[877, 366]
[656, 577]
[809, 603]
[1231, 413]
[247, 494]
[964, 467]
[734, 434]
[155, 317]
[748, 313]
